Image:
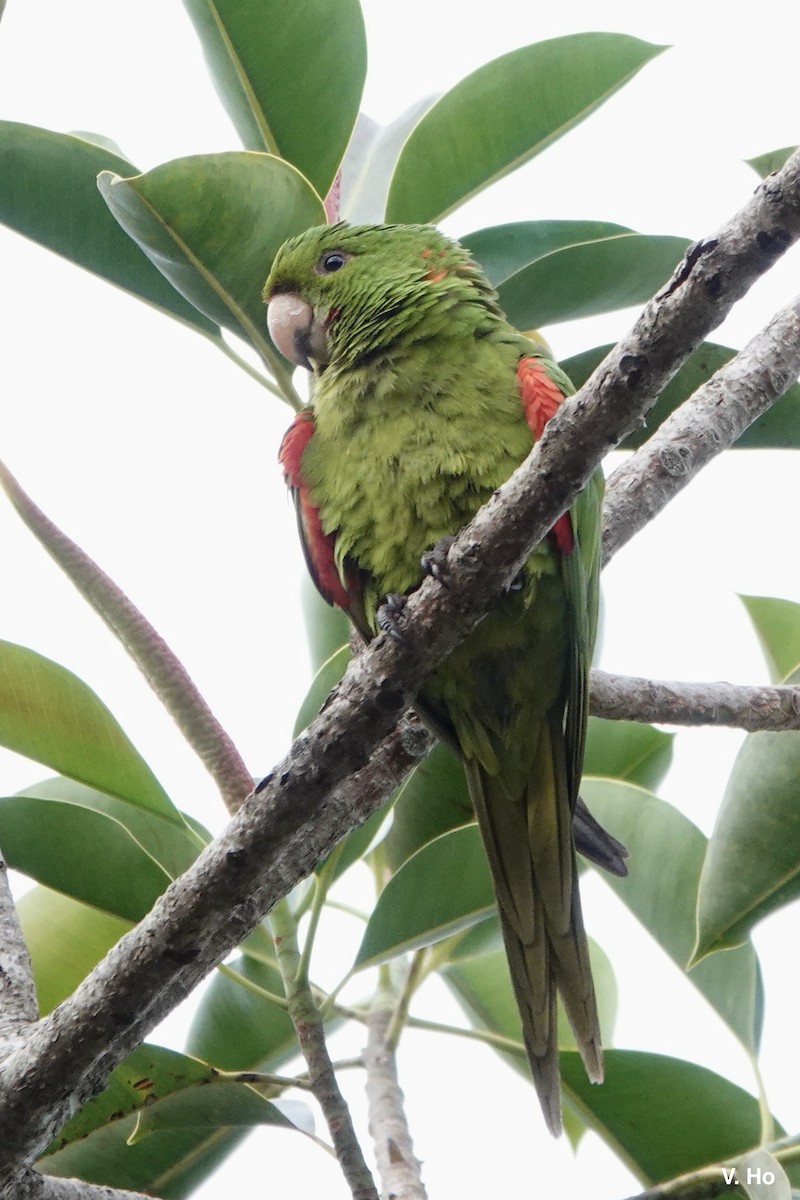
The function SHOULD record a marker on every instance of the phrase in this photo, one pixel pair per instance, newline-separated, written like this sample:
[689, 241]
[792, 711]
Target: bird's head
[338, 293]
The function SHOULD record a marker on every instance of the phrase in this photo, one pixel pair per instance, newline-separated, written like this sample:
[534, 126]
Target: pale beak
[290, 321]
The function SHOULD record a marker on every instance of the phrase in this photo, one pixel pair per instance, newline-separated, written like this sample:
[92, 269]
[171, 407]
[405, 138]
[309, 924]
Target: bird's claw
[389, 615]
[434, 561]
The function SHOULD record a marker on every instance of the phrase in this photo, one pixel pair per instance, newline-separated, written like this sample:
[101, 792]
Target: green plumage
[419, 415]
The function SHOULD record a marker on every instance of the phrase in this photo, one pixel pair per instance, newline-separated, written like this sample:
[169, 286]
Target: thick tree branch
[53, 1188]
[286, 826]
[710, 421]
[628, 697]
[18, 1006]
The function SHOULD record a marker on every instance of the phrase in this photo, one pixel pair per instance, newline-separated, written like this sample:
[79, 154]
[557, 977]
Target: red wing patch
[541, 396]
[318, 546]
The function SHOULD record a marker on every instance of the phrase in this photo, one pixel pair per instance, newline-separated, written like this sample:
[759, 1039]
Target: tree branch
[18, 1006]
[398, 1166]
[163, 670]
[285, 827]
[710, 421]
[628, 697]
[310, 1031]
[53, 1188]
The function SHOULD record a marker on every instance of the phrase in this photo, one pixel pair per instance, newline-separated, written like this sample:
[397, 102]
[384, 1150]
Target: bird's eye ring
[330, 261]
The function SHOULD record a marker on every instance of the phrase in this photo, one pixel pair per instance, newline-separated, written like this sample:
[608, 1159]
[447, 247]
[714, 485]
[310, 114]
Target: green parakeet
[425, 400]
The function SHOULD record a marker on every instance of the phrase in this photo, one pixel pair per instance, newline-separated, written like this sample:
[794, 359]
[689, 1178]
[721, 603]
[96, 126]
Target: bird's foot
[434, 561]
[390, 614]
[517, 584]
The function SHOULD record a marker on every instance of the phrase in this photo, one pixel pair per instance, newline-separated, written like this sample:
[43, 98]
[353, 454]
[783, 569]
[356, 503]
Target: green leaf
[85, 854]
[441, 889]
[65, 940]
[237, 1027]
[193, 1111]
[482, 984]
[434, 800]
[323, 683]
[503, 114]
[752, 865]
[777, 623]
[370, 161]
[170, 1166]
[51, 716]
[173, 844]
[778, 428]
[627, 750]
[503, 250]
[589, 278]
[773, 160]
[170, 1090]
[212, 224]
[663, 1115]
[290, 76]
[50, 195]
[327, 628]
[664, 901]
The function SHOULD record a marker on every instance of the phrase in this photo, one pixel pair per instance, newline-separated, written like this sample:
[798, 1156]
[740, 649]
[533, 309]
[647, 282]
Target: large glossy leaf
[370, 161]
[444, 887]
[355, 845]
[65, 939]
[778, 428]
[51, 716]
[328, 675]
[627, 750]
[289, 75]
[236, 1026]
[482, 984]
[589, 278]
[434, 800]
[503, 114]
[170, 1166]
[173, 845]
[503, 250]
[85, 854]
[49, 193]
[772, 160]
[752, 866]
[327, 628]
[212, 224]
[168, 1090]
[667, 1116]
[777, 623]
[664, 901]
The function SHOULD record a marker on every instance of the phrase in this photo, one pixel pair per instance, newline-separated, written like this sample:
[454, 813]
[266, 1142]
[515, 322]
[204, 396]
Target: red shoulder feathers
[318, 546]
[541, 396]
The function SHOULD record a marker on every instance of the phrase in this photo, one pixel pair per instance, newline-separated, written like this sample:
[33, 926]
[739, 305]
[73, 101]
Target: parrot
[424, 400]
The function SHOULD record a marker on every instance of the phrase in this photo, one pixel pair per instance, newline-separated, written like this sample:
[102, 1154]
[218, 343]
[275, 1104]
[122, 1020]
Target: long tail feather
[531, 852]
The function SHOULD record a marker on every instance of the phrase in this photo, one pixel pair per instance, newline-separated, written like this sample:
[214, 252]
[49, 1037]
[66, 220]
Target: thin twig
[398, 1166]
[310, 1032]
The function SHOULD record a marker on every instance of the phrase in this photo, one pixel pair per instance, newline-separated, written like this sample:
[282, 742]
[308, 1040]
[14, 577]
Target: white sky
[149, 449]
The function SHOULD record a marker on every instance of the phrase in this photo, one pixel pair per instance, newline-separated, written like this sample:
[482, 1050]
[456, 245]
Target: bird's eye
[332, 260]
